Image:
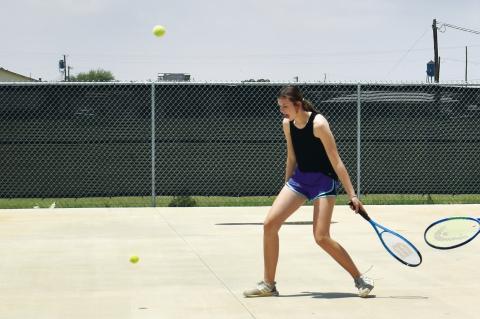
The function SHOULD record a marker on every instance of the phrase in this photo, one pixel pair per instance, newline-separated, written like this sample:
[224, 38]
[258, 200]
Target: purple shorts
[312, 185]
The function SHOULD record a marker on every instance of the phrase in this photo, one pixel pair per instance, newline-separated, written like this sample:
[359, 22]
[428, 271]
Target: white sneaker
[263, 290]
[364, 285]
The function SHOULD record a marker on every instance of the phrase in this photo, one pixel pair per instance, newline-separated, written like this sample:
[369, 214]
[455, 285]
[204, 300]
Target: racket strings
[452, 232]
[401, 248]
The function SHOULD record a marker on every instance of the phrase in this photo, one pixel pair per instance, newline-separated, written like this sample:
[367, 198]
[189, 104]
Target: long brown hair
[294, 94]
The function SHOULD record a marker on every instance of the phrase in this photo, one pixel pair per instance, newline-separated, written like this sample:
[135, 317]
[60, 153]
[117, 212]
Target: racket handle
[361, 211]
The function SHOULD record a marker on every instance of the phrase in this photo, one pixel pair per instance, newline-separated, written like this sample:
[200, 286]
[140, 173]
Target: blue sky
[351, 40]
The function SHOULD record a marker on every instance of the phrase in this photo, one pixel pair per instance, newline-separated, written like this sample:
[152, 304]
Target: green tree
[98, 75]
[253, 80]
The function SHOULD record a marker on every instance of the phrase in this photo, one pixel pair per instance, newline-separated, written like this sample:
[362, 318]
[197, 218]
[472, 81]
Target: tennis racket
[452, 232]
[396, 245]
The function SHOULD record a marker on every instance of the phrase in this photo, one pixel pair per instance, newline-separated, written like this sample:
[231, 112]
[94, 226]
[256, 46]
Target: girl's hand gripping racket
[397, 245]
[452, 232]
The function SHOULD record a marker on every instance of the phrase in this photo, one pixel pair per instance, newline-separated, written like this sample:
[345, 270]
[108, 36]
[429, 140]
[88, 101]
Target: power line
[462, 61]
[443, 24]
[138, 55]
[406, 53]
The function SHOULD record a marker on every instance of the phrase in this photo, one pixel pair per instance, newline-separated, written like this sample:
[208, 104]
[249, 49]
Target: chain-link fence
[420, 139]
[61, 140]
[141, 139]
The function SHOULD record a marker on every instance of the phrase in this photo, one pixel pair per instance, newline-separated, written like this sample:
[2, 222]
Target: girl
[313, 171]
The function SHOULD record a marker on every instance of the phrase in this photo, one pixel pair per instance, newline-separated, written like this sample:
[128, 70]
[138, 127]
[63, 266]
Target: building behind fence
[226, 139]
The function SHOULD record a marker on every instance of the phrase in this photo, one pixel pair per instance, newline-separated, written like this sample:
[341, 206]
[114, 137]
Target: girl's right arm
[291, 159]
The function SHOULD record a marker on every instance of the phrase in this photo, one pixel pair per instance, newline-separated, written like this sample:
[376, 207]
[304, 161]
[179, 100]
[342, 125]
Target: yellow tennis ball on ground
[134, 259]
[158, 30]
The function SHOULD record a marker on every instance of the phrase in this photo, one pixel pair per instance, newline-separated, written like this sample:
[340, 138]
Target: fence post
[359, 112]
[154, 197]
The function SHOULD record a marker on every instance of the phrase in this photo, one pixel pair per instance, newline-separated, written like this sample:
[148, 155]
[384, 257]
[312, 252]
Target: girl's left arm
[321, 130]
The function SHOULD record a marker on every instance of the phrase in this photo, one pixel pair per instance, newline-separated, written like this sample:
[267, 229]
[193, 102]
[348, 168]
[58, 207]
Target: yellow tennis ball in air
[134, 259]
[158, 30]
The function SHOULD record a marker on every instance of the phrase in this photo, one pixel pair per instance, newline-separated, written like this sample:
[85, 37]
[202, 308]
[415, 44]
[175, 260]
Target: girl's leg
[286, 203]
[322, 217]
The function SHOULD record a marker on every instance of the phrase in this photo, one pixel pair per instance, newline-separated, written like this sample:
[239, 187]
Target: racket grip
[361, 211]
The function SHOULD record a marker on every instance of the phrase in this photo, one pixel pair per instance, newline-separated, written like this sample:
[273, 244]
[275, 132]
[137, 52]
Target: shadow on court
[261, 224]
[323, 295]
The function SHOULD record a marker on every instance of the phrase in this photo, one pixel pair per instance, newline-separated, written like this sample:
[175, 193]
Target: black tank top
[309, 150]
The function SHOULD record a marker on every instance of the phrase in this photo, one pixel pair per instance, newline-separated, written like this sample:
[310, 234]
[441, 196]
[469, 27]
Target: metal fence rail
[225, 139]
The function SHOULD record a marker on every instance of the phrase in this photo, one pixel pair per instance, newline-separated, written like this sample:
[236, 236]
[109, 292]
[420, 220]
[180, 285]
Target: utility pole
[466, 64]
[65, 69]
[435, 49]
[438, 69]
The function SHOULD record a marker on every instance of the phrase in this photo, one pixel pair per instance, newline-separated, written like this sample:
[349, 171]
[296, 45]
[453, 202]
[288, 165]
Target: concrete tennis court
[195, 263]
